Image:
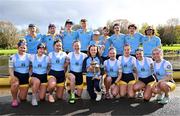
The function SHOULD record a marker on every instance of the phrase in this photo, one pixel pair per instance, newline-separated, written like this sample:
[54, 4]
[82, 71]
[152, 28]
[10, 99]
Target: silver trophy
[96, 70]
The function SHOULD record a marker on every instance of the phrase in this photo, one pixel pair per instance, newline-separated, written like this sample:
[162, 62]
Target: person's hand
[91, 68]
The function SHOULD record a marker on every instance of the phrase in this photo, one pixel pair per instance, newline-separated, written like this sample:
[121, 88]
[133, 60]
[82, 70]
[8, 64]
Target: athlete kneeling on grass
[92, 66]
[75, 61]
[112, 70]
[144, 68]
[163, 72]
[19, 73]
[128, 78]
[56, 76]
[38, 79]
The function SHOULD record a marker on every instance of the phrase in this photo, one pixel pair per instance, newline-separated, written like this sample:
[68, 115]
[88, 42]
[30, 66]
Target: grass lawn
[12, 51]
[8, 52]
[171, 47]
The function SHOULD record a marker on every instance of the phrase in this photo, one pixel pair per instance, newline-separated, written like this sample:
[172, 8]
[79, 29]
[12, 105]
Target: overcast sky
[97, 12]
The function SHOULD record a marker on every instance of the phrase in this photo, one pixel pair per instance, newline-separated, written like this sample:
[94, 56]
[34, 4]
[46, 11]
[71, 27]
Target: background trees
[8, 35]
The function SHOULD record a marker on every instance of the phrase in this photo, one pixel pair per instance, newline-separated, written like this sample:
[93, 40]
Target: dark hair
[76, 41]
[68, 21]
[51, 25]
[149, 28]
[126, 44]
[105, 27]
[89, 54]
[56, 41]
[111, 48]
[132, 25]
[83, 20]
[116, 24]
[31, 25]
[41, 45]
[21, 42]
[139, 49]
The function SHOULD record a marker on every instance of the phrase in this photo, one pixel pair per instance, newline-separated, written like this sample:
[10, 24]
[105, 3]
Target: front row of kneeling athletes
[123, 76]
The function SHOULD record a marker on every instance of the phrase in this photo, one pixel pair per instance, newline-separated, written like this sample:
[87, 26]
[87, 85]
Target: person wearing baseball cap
[68, 36]
[33, 39]
[50, 37]
[96, 41]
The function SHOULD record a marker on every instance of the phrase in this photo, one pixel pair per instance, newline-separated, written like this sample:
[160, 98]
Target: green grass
[8, 52]
[174, 48]
[12, 51]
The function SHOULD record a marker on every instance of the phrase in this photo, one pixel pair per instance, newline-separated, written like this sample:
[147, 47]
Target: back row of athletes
[87, 37]
[123, 76]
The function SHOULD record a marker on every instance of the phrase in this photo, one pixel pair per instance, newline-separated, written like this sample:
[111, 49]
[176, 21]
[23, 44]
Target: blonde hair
[158, 50]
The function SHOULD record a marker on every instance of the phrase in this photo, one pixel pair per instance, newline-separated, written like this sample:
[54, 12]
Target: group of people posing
[118, 63]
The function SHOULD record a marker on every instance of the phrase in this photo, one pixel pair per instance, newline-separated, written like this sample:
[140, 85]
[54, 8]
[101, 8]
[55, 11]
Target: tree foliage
[8, 35]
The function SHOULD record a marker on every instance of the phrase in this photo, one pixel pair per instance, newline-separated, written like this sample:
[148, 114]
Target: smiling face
[32, 30]
[105, 32]
[116, 29]
[41, 51]
[84, 25]
[127, 50]
[52, 30]
[58, 46]
[93, 51]
[131, 30]
[77, 46]
[22, 48]
[149, 32]
[157, 55]
[139, 55]
[112, 54]
[68, 26]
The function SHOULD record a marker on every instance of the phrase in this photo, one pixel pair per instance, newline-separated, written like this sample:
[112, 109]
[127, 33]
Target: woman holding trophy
[92, 66]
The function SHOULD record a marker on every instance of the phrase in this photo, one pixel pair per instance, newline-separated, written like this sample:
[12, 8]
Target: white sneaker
[99, 96]
[159, 97]
[165, 100]
[51, 98]
[34, 100]
[139, 94]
